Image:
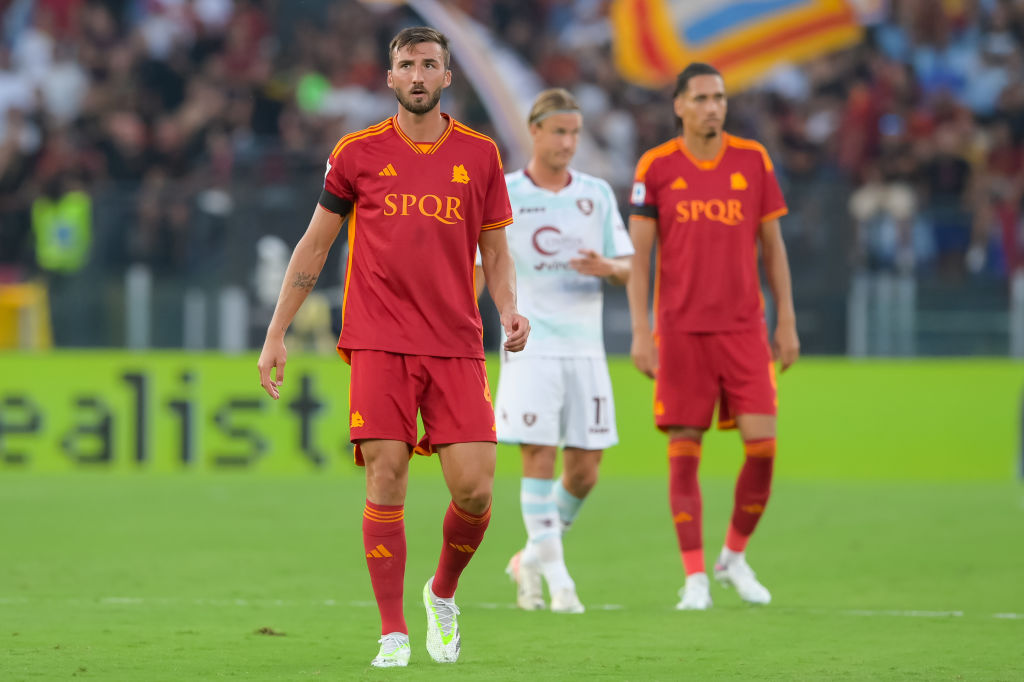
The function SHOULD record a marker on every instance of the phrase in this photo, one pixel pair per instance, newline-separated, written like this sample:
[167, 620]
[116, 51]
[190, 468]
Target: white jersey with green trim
[550, 229]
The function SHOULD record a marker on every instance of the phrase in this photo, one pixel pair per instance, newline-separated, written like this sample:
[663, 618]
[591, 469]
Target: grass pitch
[892, 544]
[189, 577]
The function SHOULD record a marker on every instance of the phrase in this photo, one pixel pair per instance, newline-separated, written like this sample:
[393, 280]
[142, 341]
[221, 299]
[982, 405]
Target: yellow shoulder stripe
[360, 134]
[743, 143]
[663, 149]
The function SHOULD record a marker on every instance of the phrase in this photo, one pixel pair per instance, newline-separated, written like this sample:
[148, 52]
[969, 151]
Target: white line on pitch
[908, 614]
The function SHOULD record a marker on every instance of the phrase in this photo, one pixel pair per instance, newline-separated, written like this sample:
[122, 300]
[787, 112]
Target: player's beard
[419, 109]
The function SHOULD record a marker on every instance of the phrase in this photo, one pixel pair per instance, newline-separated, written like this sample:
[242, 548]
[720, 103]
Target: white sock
[568, 505]
[544, 537]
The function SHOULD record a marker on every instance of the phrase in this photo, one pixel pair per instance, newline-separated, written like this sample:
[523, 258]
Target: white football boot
[529, 587]
[736, 572]
[566, 601]
[695, 595]
[443, 638]
[394, 651]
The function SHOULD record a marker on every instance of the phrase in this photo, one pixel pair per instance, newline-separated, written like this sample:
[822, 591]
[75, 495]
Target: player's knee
[580, 483]
[539, 461]
[382, 478]
[474, 500]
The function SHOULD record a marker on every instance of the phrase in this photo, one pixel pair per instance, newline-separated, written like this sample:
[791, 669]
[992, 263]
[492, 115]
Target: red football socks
[384, 542]
[685, 502]
[463, 533]
[752, 490]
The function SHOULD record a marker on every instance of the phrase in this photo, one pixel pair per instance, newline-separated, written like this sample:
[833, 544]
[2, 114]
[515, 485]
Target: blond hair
[551, 102]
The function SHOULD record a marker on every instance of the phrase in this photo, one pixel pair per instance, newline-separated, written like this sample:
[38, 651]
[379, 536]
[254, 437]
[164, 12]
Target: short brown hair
[416, 35]
[550, 101]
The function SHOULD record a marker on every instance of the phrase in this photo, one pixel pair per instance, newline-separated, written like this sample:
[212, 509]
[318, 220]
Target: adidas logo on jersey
[678, 183]
[389, 171]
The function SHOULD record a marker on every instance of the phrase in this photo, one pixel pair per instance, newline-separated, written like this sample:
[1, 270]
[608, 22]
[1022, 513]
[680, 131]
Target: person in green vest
[62, 227]
[62, 231]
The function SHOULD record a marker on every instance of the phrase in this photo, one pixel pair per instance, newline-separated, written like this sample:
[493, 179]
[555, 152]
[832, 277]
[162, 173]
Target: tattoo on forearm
[304, 280]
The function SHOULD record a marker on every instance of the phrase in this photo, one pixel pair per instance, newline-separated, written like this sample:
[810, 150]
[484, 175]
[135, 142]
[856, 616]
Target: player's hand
[273, 355]
[592, 263]
[517, 328]
[644, 353]
[786, 344]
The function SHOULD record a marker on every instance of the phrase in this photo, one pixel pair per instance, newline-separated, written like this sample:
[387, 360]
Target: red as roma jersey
[417, 214]
[708, 215]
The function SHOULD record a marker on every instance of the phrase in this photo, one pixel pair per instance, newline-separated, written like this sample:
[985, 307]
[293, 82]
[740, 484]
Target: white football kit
[557, 391]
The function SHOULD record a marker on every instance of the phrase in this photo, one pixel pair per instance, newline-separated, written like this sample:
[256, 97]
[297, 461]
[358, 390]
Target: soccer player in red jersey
[422, 193]
[709, 199]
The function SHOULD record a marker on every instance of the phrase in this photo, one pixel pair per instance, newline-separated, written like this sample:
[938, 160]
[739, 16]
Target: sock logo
[682, 517]
[462, 548]
[753, 508]
[379, 552]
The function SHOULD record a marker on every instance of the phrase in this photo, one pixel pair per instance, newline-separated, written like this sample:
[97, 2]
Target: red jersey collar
[704, 165]
[434, 147]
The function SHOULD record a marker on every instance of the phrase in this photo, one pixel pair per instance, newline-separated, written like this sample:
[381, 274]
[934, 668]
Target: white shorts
[556, 401]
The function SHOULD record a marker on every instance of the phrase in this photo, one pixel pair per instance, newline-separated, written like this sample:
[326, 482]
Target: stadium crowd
[180, 101]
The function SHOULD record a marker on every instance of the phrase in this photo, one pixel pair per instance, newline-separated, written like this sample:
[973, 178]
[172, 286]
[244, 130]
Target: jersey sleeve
[338, 195]
[773, 204]
[497, 208]
[643, 200]
[616, 239]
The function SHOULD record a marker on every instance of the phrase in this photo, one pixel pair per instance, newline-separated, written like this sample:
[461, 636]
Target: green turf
[169, 577]
[892, 542]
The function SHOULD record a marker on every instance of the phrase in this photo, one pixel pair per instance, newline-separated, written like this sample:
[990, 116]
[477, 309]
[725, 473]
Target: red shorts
[695, 371]
[451, 394]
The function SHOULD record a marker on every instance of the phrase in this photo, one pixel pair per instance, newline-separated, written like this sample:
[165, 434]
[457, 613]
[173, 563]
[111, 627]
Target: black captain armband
[642, 211]
[335, 204]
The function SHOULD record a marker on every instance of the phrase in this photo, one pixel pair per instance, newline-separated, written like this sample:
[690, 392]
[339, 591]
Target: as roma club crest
[529, 418]
[585, 205]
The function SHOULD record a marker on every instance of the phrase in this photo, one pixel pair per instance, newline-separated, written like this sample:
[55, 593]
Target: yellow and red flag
[655, 39]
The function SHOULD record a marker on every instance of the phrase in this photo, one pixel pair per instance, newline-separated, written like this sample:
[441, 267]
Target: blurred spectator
[884, 206]
[947, 186]
[996, 244]
[183, 104]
